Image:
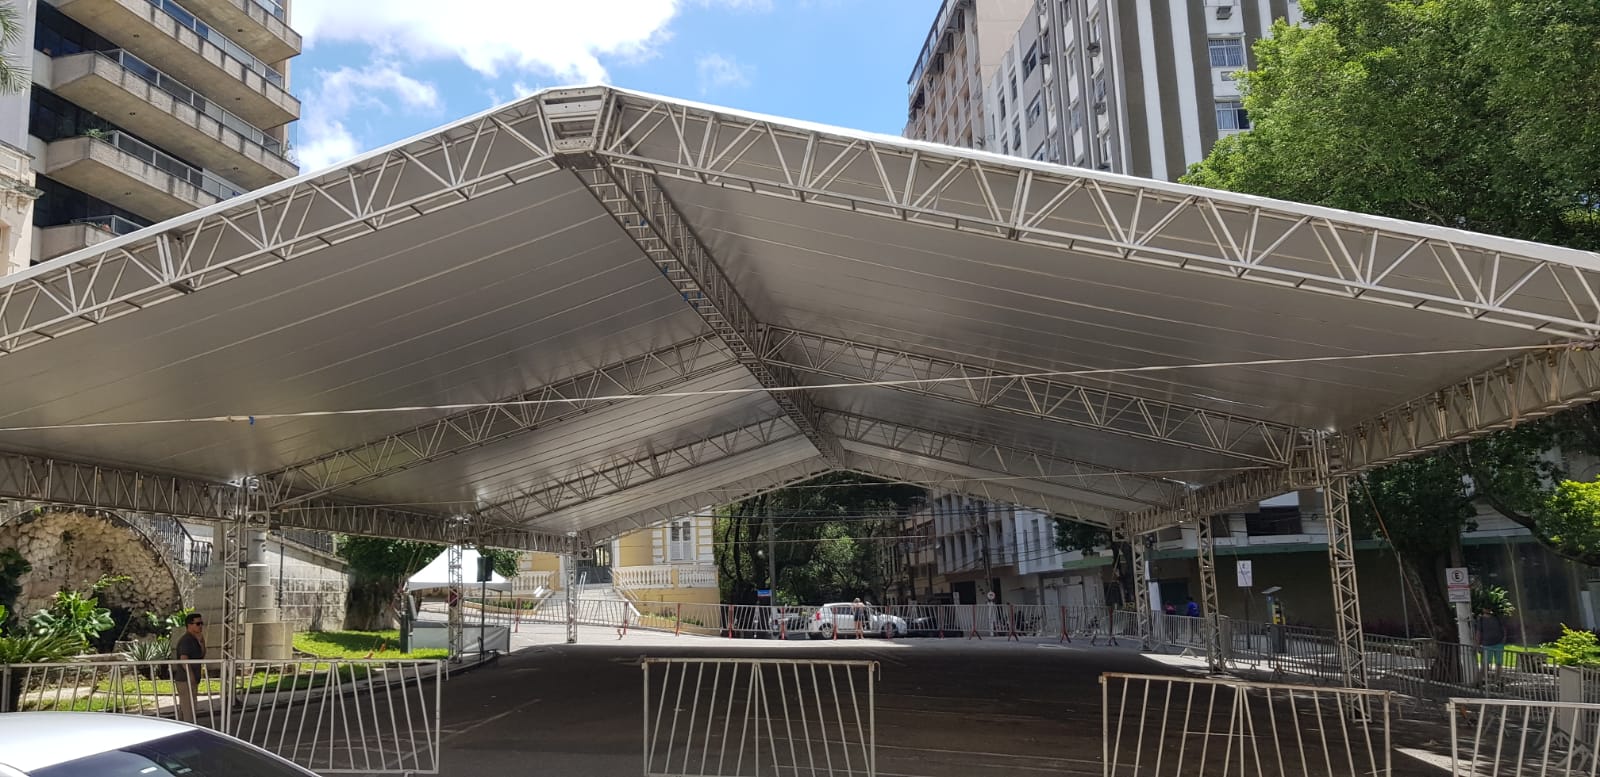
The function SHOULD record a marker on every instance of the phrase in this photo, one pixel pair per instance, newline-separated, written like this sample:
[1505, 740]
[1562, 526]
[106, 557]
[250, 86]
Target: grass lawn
[358, 644]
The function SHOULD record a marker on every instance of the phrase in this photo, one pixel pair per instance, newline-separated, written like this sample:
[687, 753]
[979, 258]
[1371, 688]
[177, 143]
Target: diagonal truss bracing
[1049, 399]
[620, 472]
[526, 412]
[1527, 387]
[280, 224]
[1016, 492]
[643, 210]
[1009, 460]
[1185, 229]
[56, 481]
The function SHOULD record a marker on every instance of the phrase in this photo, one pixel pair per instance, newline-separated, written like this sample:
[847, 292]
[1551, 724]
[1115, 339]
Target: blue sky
[373, 73]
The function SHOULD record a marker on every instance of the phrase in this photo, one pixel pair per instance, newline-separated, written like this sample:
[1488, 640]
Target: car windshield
[190, 754]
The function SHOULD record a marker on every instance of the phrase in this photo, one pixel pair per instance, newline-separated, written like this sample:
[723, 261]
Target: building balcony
[128, 173]
[260, 26]
[168, 37]
[153, 105]
[80, 234]
[662, 576]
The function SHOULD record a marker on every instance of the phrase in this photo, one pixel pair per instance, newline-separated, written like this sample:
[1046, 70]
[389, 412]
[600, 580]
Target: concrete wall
[314, 585]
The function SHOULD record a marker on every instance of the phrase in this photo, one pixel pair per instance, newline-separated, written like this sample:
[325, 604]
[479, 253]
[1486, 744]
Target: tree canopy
[379, 567]
[1476, 114]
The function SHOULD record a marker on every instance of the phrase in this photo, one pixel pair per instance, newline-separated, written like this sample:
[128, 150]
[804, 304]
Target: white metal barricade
[732, 717]
[364, 717]
[1513, 738]
[1174, 726]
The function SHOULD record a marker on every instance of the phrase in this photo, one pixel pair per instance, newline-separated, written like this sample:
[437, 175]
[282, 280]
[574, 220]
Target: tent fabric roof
[521, 278]
[437, 573]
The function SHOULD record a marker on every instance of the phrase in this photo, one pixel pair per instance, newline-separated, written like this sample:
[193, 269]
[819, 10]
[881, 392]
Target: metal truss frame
[231, 555]
[525, 412]
[570, 566]
[1010, 459]
[641, 207]
[589, 481]
[1524, 388]
[284, 223]
[1346, 592]
[1210, 608]
[996, 491]
[455, 612]
[1211, 431]
[1143, 617]
[1282, 245]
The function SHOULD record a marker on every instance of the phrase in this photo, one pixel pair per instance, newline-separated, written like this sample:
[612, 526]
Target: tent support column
[569, 565]
[1211, 618]
[457, 584]
[1141, 586]
[1342, 566]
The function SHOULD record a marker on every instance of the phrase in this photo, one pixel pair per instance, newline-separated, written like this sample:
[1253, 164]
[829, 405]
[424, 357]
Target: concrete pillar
[266, 636]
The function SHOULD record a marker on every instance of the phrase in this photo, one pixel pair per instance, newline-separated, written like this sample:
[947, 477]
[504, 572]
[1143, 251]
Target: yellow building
[672, 562]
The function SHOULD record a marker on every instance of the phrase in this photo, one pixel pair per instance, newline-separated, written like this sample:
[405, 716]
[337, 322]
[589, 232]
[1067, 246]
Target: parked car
[100, 744]
[843, 616]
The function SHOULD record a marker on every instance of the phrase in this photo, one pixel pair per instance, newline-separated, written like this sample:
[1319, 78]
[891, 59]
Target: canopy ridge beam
[509, 417]
[1211, 431]
[637, 468]
[1015, 492]
[1005, 459]
[1221, 235]
[641, 207]
[218, 244]
[1526, 387]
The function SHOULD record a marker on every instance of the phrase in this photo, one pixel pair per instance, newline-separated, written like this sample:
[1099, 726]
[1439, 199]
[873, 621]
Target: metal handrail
[169, 164]
[189, 20]
[180, 91]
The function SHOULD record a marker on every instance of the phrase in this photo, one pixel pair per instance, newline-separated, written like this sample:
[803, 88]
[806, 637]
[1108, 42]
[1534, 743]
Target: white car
[100, 744]
[843, 617]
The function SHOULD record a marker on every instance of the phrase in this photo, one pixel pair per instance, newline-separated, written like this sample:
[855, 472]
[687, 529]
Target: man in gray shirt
[185, 679]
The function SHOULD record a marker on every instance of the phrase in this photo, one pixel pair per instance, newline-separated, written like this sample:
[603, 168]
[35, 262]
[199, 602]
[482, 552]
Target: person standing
[186, 677]
[1492, 637]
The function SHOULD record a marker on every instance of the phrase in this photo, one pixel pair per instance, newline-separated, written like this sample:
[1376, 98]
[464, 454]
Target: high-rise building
[1143, 87]
[958, 57]
[139, 111]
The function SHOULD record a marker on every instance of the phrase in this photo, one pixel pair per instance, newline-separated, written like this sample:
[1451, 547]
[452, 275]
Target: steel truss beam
[1006, 459]
[281, 224]
[656, 226]
[1212, 431]
[1342, 566]
[553, 403]
[1015, 492]
[1530, 386]
[56, 481]
[638, 468]
[1213, 233]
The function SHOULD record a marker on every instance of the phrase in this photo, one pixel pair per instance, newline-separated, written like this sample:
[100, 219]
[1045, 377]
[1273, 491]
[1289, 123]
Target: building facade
[1141, 87]
[960, 54]
[673, 562]
[143, 110]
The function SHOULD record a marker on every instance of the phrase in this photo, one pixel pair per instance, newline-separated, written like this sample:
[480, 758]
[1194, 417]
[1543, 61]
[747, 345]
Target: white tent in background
[434, 579]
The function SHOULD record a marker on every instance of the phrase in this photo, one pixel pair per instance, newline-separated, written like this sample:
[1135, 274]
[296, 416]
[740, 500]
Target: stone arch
[72, 548]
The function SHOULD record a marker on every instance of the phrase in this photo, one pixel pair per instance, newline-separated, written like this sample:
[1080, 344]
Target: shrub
[1575, 648]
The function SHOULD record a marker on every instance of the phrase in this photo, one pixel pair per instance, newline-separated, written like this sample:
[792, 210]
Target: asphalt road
[947, 707]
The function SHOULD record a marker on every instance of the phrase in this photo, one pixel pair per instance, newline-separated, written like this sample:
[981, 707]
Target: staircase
[598, 604]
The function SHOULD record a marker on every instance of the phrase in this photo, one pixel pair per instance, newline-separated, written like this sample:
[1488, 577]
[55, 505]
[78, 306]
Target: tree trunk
[1424, 574]
[369, 606]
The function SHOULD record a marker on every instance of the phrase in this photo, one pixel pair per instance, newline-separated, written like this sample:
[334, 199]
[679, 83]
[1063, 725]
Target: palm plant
[13, 76]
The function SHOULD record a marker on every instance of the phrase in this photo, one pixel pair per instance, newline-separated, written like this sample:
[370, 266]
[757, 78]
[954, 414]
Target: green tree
[13, 76]
[1570, 519]
[836, 537]
[12, 567]
[1476, 114]
[378, 572]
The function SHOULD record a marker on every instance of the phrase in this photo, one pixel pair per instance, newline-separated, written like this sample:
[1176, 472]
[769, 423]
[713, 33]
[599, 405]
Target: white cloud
[718, 72]
[557, 38]
[325, 140]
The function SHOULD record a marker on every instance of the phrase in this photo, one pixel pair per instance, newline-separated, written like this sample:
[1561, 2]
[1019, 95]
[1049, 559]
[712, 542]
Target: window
[1013, 78]
[1035, 110]
[190, 754]
[1077, 117]
[1231, 116]
[1030, 60]
[1002, 106]
[1227, 52]
[1016, 137]
[680, 541]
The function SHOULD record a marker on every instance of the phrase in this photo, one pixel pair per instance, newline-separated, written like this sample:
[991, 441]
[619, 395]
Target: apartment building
[139, 111]
[1142, 87]
[958, 57]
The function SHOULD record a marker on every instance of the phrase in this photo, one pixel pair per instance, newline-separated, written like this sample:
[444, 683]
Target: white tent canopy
[436, 575]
